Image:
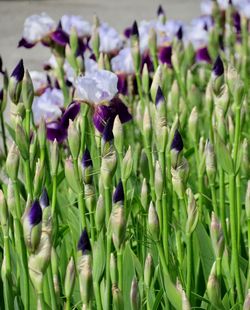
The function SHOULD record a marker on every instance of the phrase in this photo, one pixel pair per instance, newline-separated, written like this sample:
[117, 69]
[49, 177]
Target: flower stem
[3, 135]
[189, 265]
[97, 295]
[120, 270]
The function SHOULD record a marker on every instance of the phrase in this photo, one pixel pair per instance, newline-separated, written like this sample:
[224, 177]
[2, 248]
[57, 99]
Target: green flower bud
[11, 199]
[185, 302]
[12, 162]
[145, 79]
[101, 63]
[153, 222]
[89, 191]
[135, 295]
[54, 158]
[108, 165]
[74, 139]
[152, 42]
[85, 278]
[217, 236]
[246, 305]
[39, 178]
[95, 40]
[158, 180]
[230, 128]
[144, 194]
[213, 288]
[192, 211]
[135, 49]
[100, 213]
[4, 216]
[22, 140]
[27, 90]
[245, 166]
[247, 200]
[71, 57]
[54, 266]
[118, 135]
[15, 82]
[70, 276]
[148, 270]
[80, 64]
[193, 124]
[144, 164]
[210, 162]
[33, 149]
[222, 99]
[71, 178]
[41, 133]
[113, 269]
[118, 303]
[157, 81]
[118, 225]
[179, 177]
[147, 127]
[127, 165]
[209, 98]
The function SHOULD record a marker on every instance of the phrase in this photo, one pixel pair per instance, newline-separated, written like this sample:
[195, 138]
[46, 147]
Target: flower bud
[11, 199]
[39, 178]
[148, 270]
[44, 199]
[144, 195]
[135, 50]
[245, 166]
[87, 167]
[41, 133]
[54, 267]
[118, 225]
[108, 165]
[222, 99]
[147, 127]
[113, 269]
[158, 180]
[209, 98]
[70, 276]
[118, 135]
[3, 214]
[145, 79]
[84, 244]
[192, 212]
[217, 236]
[179, 177]
[12, 162]
[157, 81]
[54, 161]
[89, 191]
[32, 225]
[153, 222]
[210, 162]
[247, 201]
[192, 124]
[85, 278]
[176, 149]
[74, 139]
[135, 295]
[95, 40]
[127, 165]
[27, 91]
[152, 42]
[21, 139]
[71, 178]
[100, 213]
[118, 303]
[218, 75]
[15, 82]
[246, 305]
[213, 287]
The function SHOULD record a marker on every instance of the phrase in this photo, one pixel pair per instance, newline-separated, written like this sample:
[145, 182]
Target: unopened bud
[39, 178]
[11, 199]
[217, 236]
[74, 139]
[147, 126]
[135, 49]
[157, 81]
[27, 90]
[15, 82]
[135, 295]
[118, 134]
[144, 195]
[12, 162]
[85, 278]
[113, 269]
[127, 165]
[148, 270]
[73, 182]
[100, 213]
[41, 133]
[179, 177]
[70, 276]
[21, 139]
[153, 222]
[158, 180]
[192, 124]
[213, 287]
[118, 303]
[95, 40]
[118, 225]
[108, 165]
[145, 79]
[3, 214]
[210, 162]
[192, 211]
[73, 40]
[247, 200]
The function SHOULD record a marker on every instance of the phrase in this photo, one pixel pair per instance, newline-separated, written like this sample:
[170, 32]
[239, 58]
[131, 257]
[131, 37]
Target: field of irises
[125, 165]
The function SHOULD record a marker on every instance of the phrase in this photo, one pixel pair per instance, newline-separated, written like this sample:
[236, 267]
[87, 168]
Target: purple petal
[237, 21]
[84, 243]
[35, 213]
[146, 59]
[165, 54]
[60, 37]
[127, 32]
[119, 108]
[177, 143]
[218, 68]
[202, 55]
[18, 72]
[86, 159]
[44, 199]
[70, 113]
[107, 134]
[24, 43]
[122, 84]
[179, 33]
[134, 30]
[56, 131]
[101, 115]
[119, 193]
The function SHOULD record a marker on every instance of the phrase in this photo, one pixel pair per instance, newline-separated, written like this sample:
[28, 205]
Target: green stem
[238, 204]
[120, 270]
[214, 200]
[222, 203]
[42, 301]
[85, 109]
[67, 306]
[178, 231]
[248, 240]
[52, 289]
[237, 133]
[98, 299]
[4, 136]
[151, 171]
[139, 85]
[27, 122]
[28, 178]
[54, 194]
[189, 266]
[233, 229]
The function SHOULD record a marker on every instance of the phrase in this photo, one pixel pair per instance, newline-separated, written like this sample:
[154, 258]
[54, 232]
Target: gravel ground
[118, 13]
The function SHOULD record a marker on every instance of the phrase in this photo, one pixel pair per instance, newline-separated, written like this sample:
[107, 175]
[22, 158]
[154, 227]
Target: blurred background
[118, 13]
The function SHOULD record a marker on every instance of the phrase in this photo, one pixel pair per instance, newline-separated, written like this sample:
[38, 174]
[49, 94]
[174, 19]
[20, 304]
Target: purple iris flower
[202, 55]
[18, 72]
[218, 68]
[165, 54]
[84, 243]
[237, 22]
[35, 213]
[119, 193]
[60, 37]
[58, 130]
[179, 33]
[177, 143]
[122, 84]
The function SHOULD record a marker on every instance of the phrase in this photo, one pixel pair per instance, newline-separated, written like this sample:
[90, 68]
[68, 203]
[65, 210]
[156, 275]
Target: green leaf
[98, 259]
[158, 299]
[11, 131]
[224, 157]
[206, 250]
[128, 274]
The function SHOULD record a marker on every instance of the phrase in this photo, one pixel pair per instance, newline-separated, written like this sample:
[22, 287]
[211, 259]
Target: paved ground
[118, 13]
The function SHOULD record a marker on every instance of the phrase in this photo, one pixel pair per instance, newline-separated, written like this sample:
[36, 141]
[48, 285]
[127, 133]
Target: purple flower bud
[107, 134]
[146, 59]
[24, 43]
[177, 143]
[1, 65]
[179, 33]
[1, 94]
[56, 131]
[218, 68]
[127, 32]
[159, 98]
[86, 159]
[84, 243]
[60, 37]
[18, 72]
[119, 193]
[237, 22]
[44, 199]
[165, 54]
[160, 11]
[202, 55]
[134, 30]
[70, 113]
[35, 213]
